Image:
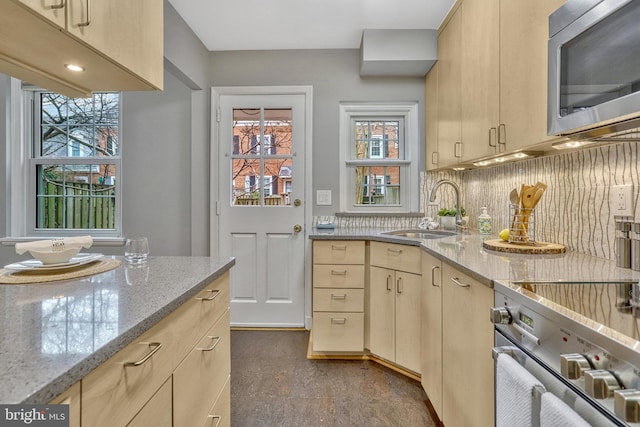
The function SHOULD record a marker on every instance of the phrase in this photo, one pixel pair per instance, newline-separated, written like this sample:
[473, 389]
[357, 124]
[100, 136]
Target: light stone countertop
[53, 334]
[466, 253]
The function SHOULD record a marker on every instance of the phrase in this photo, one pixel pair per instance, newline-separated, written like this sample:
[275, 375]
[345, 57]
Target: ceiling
[302, 24]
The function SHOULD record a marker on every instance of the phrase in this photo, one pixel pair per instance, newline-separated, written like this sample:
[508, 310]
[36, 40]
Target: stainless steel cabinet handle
[338, 272]
[339, 247]
[433, 275]
[155, 346]
[338, 296]
[388, 281]
[502, 137]
[434, 158]
[457, 150]
[399, 285]
[459, 283]
[216, 292]
[58, 6]
[492, 137]
[218, 419]
[394, 251]
[88, 21]
[216, 341]
[338, 321]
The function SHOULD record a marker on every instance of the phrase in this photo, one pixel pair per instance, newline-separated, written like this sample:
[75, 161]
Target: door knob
[297, 202]
[297, 228]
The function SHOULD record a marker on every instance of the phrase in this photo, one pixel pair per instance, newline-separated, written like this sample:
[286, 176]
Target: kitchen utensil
[513, 196]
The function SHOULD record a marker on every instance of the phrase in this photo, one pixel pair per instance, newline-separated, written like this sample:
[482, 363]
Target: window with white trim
[379, 157]
[69, 182]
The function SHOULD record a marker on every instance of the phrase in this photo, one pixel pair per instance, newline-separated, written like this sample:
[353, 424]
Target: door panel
[261, 206]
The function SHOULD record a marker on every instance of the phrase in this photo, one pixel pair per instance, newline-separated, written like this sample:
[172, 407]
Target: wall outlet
[621, 200]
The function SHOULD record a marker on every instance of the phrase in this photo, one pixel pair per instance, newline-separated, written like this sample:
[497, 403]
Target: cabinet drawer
[338, 276]
[338, 331]
[201, 375]
[396, 257]
[196, 316]
[71, 397]
[116, 390]
[220, 413]
[338, 300]
[338, 252]
[157, 411]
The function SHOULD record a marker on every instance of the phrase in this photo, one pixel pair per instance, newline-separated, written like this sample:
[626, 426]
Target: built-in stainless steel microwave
[594, 68]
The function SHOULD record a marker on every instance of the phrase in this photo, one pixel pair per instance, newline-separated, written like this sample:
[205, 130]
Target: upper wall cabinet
[492, 80]
[524, 36]
[119, 44]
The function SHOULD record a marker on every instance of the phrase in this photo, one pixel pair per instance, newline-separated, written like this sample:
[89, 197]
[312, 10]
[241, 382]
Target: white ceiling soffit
[398, 52]
[302, 24]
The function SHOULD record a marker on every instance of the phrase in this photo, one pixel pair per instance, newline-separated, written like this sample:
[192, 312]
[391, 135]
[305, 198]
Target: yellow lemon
[504, 234]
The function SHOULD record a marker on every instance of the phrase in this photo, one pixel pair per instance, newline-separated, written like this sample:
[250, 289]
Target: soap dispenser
[484, 222]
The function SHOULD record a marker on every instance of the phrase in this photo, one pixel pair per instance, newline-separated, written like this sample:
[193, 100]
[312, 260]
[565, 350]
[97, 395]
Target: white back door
[261, 174]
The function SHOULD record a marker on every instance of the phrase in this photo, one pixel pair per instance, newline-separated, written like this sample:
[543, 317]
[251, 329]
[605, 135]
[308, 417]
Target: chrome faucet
[432, 198]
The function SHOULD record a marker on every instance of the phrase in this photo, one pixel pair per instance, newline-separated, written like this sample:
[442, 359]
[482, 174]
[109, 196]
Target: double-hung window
[72, 165]
[379, 157]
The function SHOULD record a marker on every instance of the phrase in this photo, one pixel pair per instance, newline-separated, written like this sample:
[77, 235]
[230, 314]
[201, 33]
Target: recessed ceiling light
[73, 67]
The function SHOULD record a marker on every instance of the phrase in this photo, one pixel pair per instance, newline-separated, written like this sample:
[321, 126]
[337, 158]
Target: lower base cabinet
[157, 411]
[175, 374]
[467, 364]
[220, 413]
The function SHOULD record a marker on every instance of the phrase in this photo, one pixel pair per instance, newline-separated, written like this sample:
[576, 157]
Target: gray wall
[165, 135]
[334, 75]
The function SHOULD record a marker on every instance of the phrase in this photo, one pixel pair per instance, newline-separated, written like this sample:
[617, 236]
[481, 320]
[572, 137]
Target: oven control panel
[588, 364]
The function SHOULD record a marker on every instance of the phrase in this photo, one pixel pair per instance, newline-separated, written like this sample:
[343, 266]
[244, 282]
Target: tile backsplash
[573, 211]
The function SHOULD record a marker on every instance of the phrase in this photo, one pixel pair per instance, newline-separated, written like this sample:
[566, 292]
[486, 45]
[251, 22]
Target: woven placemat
[10, 277]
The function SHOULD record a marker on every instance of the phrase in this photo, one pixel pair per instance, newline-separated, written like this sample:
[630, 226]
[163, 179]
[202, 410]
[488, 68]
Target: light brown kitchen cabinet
[524, 35]
[394, 307]
[52, 10]
[431, 117]
[338, 296]
[189, 349]
[220, 413]
[449, 93]
[492, 79]
[157, 411]
[467, 365]
[480, 78]
[119, 44]
[202, 375]
[71, 397]
[431, 336]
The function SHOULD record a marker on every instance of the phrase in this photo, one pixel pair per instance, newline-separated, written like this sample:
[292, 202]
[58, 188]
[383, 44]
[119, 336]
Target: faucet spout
[456, 188]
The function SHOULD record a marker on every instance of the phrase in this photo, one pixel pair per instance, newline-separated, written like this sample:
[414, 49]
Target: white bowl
[55, 257]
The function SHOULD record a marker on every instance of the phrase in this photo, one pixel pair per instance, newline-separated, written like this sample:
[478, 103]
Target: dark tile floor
[274, 384]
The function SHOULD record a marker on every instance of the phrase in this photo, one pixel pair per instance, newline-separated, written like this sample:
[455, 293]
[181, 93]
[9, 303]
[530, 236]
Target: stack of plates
[35, 265]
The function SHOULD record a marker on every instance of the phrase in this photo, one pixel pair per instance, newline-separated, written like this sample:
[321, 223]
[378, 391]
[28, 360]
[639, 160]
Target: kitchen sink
[422, 234]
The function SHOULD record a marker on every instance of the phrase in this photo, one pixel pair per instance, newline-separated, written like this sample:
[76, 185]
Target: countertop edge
[79, 370]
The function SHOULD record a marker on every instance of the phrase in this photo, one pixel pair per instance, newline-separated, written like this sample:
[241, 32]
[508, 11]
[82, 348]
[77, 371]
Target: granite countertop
[53, 334]
[466, 253]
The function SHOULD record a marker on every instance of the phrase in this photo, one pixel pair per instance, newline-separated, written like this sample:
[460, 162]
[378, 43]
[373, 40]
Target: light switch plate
[323, 197]
[621, 200]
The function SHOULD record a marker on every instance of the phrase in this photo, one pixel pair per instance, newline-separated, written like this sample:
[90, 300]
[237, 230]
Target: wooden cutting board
[537, 248]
